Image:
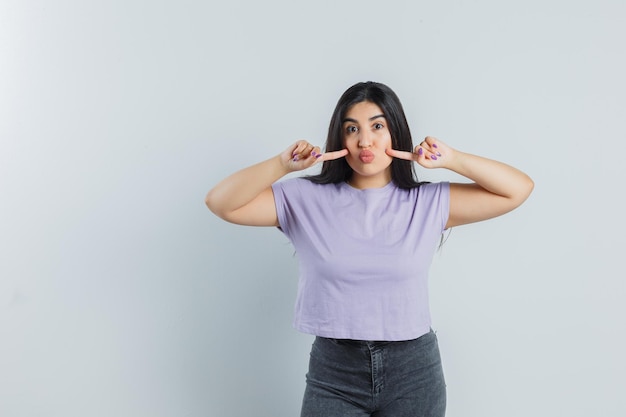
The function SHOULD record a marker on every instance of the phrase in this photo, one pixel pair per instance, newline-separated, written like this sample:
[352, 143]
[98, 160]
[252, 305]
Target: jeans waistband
[371, 343]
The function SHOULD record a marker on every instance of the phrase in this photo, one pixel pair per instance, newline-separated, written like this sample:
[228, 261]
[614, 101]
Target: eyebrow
[347, 119]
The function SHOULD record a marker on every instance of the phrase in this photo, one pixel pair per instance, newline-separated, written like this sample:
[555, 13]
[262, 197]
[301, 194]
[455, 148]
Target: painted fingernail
[295, 159]
[438, 154]
[420, 151]
[434, 145]
[434, 158]
[313, 153]
[318, 155]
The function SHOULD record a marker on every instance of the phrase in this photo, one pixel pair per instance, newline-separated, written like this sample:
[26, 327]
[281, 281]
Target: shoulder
[302, 184]
[430, 189]
[435, 187]
[301, 187]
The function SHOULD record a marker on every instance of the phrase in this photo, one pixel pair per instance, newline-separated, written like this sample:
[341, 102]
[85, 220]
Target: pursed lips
[366, 156]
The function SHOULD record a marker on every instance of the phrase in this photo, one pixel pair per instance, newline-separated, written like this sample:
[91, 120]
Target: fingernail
[318, 155]
[313, 153]
[434, 158]
[295, 158]
[438, 154]
[434, 145]
[420, 151]
[294, 154]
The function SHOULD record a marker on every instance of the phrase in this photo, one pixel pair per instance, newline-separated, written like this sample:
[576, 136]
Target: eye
[378, 126]
[351, 129]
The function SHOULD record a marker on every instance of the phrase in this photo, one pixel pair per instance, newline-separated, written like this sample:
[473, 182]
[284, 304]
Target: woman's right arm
[246, 197]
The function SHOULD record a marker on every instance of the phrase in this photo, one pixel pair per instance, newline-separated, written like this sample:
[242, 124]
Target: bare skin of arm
[497, 188]
[246, 196]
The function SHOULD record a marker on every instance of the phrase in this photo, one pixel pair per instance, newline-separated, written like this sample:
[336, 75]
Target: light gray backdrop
[121, 295]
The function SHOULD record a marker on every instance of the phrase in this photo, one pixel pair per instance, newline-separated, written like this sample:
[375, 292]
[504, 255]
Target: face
[366, 136]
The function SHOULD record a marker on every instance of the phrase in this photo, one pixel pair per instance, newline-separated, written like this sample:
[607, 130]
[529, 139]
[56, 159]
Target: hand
[302, 155]
[431, 153]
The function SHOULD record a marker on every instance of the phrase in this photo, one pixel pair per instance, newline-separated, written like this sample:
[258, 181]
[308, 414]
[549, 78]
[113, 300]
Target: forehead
[363, 110]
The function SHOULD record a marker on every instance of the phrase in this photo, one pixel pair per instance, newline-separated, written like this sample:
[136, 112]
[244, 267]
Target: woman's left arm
[497, 188]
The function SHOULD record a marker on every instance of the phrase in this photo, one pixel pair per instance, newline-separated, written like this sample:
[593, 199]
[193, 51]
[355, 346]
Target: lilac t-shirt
[364, 256]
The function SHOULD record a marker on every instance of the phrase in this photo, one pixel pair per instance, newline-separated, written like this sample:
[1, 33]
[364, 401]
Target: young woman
[365, 231]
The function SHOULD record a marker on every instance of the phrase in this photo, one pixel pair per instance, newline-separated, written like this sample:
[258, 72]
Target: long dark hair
[338, 170]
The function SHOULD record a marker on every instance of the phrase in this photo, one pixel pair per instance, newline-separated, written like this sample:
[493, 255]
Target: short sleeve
[285, 197]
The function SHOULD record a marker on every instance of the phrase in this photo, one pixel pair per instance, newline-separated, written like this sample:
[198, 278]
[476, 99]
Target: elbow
[208, 200]
[212, 203]
[529, 187]
[217, 204]
[524, 190]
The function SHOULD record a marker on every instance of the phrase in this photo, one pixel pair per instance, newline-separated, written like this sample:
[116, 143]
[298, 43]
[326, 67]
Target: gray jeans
[378, 379]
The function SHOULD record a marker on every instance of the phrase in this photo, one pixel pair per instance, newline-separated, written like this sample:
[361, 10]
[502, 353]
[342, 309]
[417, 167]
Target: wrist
[282, 167]
[454, 160]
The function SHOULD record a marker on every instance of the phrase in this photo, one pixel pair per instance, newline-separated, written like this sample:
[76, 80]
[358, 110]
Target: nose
[365, 140]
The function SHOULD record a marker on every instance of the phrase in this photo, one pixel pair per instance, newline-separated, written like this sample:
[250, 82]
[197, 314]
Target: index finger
[409, 156]
[329, 156]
